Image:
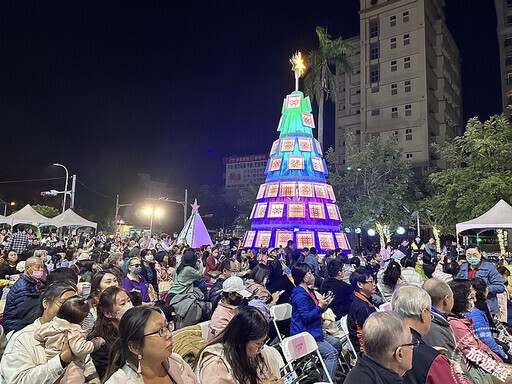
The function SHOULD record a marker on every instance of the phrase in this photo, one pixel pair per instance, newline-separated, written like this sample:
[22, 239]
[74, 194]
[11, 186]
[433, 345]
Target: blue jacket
[481, 325]
[313, 264]
[15, 299]
[306, 315]
[492, 277]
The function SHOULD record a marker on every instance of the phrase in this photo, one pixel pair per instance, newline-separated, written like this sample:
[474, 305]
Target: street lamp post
[65, 187]
[5, 203]
[183, 203]
[151, 212]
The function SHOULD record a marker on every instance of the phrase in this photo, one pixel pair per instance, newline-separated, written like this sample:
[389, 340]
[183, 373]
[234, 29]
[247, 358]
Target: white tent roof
[498, 217]
[3, 219]
[27, 215]
[69, 218]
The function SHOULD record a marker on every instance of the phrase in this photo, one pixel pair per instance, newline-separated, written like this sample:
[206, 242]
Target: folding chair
[296, 346]
[379, 287]
[344, 327]
[206, 330]
[280, 312]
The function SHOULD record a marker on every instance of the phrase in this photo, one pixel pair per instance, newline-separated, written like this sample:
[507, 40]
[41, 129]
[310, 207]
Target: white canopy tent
[3, 219]
[28, 215]
[498, 217]
[69, 218]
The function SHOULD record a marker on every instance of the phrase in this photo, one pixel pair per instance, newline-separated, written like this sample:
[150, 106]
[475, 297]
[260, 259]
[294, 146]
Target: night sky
[115, 88]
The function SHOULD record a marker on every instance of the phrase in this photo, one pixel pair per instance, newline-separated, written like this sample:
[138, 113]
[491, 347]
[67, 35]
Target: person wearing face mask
[257, 282]
[134, 281]
[476, 266]
[504, 297]
[307, 309]
[24, 286]
[148, 268]
[226, 306]
[112, 305]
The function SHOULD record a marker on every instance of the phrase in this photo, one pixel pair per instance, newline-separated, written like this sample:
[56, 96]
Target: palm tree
[320, 83]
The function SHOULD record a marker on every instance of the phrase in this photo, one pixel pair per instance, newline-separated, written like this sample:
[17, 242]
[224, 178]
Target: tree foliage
[46, 210]
[478, 172]
[375, 185]
[320, 83]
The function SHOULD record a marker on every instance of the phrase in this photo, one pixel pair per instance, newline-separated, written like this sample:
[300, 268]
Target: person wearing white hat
[233, 294]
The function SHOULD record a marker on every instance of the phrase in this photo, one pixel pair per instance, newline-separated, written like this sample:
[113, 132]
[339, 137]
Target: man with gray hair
[428, 365]
[441, 333]
[388, 349]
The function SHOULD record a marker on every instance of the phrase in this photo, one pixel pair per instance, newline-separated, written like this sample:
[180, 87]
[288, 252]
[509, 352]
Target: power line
[92, 190]
[30, 180]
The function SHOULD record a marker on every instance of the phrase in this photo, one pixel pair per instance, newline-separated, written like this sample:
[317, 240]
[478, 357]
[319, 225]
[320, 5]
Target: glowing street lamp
[152, 212]
[5, 203]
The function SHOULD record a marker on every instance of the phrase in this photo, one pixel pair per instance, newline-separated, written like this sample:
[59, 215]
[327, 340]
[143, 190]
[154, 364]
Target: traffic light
[51, 192]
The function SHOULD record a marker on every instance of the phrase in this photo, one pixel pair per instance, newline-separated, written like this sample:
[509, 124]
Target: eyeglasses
[369, 282]
[162, 332]
[414, 344]
[262, 344]
[135, 265]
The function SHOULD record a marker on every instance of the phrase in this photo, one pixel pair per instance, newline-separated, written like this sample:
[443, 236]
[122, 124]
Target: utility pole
[185, 208]
[117, 209]
[73, 187]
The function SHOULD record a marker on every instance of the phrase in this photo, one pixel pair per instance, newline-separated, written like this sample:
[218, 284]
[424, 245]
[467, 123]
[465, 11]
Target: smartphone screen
[290, 378]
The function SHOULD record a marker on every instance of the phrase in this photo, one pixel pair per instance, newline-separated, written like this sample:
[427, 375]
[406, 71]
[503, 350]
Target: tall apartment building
[405, 80]
[504, 15]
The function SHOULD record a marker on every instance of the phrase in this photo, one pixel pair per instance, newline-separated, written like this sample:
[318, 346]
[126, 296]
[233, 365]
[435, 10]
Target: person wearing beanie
[189, 270]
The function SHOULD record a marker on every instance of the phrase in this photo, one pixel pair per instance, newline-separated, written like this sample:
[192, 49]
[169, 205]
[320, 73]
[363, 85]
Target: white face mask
[123, 310]
[472, 306]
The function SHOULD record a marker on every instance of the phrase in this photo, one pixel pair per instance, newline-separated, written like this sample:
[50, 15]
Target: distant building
[405, 81]
[504, 15]
[241, 171]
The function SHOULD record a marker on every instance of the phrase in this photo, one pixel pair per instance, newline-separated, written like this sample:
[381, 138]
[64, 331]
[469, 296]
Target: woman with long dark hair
[113, 303]
[237, 355]
[143, 351]
[189, 270]
[389, 278]
[101, 281]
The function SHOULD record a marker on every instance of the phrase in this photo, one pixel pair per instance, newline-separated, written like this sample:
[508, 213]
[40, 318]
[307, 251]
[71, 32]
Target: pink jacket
[53, 335]
[258, 291]
[221, 317]
[469, 343]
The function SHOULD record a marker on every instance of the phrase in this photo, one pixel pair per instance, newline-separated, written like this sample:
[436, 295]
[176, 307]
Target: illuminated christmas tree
[295, 202]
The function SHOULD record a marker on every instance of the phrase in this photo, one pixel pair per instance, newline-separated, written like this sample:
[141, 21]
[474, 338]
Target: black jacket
[368, 371]
[343, 295]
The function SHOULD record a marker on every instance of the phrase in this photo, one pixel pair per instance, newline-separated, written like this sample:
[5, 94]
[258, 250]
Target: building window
[374, 51]
[395, 134]
[375, 135]
[358, 91]
[407, 39]
[376, 112]
[392, 21]
[407, 62]
[393, 42]
[407, 86]
[408, 134]
[509, 20]
[374, 73]
[394, 112]
[394, 89]
[509, 78]
[406, 16]
[508, 40]
[508, 61]
[374, 28]
[393, 66]
[375, 89]
[408, 110]
[509, 3]
[358, 132]
[408, 155]
[358, 112]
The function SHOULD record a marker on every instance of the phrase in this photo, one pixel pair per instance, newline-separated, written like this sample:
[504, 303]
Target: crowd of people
[95, 308]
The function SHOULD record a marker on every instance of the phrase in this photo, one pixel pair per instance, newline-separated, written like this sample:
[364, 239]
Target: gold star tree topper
[298, 67]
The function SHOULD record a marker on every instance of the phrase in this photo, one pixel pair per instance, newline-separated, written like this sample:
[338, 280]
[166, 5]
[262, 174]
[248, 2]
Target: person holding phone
[307, 309]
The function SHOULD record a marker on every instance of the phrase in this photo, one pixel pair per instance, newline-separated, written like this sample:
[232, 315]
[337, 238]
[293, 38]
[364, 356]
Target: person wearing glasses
[428, 365]
[388, 349]
[362, 306]
[24, 360]
[238, 354]
[307, 309]
[134, 280]
[143, 351]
